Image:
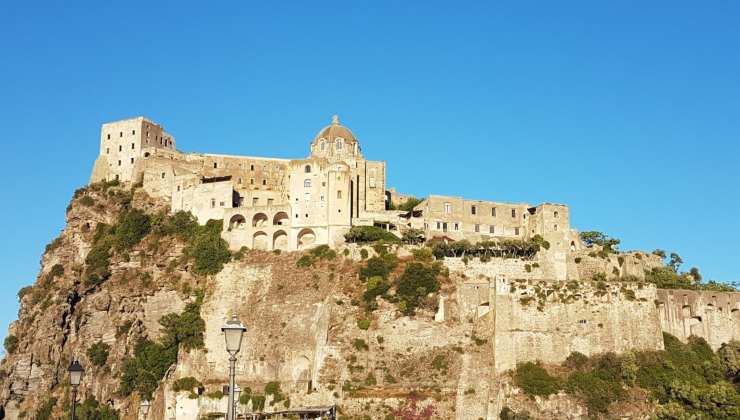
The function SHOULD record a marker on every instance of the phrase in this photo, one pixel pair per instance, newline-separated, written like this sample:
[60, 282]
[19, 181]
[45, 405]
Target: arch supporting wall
[237, 221]
[281, 218]
[280, 240]
[306, 238]
[259, 220]
[260, 241]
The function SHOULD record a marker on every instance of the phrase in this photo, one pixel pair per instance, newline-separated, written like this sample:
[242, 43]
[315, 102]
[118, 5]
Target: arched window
[322, 144]
[339, 143]
[307, 169]
[307, 183]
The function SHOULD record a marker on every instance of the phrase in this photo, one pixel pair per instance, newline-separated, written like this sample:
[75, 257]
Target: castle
[293, 204]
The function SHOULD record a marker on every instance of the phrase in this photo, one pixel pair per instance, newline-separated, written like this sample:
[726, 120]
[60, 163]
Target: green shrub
[381, 266]
[98, 353]
[360, 344]
[363, 324]
[533, 379]
[323, 252]
[24, 291]
[369, 234]
[123, 329]
[273, 388]
[364, 254]
[598, 388]
[370, 380]
[57, 270]
[132, 227]
[143, 372]
[413, 236]
[11, 344]
[87, 201]
[91, 409]
[185, 328]
[304, 261]
[208, 250]
[187, 383]
[215, 395]
[508, 414]
[43, 412]
[417, 281]
[576, 361]
[439, 362]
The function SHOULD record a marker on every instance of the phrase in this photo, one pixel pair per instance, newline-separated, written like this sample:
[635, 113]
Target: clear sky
[628, 111]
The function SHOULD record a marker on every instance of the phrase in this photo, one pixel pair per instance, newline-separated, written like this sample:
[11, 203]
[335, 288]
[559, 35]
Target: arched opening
[237, 222]
[281, 219]
[307, 169]
[259, 220]
[259, 241]
[306, 238]
[572, 246]
[280, 240]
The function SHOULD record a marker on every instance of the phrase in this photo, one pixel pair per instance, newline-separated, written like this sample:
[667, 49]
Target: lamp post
[75, 377]
[237, 392]
[144, 408]
[233, 332]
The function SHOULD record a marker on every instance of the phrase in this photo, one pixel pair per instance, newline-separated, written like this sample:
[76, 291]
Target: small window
[162, 175]
[371, 183]
[448, 208]
[132, 161]
[439, 226]
[307, 169]
[516, 231]
[306, 215]
[555, 227]
[493, 211]
[119, 163]
[270, 201]
[120, 148]
[240, 181]
[472, 210]
[477, 228]
[307, 183]
[492, 229]
[264, 182]
[108, 136]
[513, 212]
[133, 146]
[322, 197]
[251, 181]
[178, 188]
[133, 132]
[556, 215]
[254, 201]
[457, 227]
[251, 167]
[339, 194]
[213, 203]
[322, 145]
[107, 150]
[222, 204]
[339, 144]
[120, 134]
[215, 165]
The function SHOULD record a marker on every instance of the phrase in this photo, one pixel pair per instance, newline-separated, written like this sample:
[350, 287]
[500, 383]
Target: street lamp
[237, 391]
[233, 332]
[75, 377]
[144, 408]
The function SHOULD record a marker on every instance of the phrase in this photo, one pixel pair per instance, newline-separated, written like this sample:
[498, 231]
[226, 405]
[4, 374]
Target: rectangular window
[108, 136]
[493, 211]
[213, 203]
[477, 228]
[132, 161]
[240, 180]
[491, 229]
[264, 182]
[516, 231]
[119, 163]
[439, 225]
[456, 226]
[555, 227]
[270, 201]
[322, 197]
[339, 194]
[215, 165]
[513, 213]
[107, 150]
[251, 181]
[133, 132]
[120, 134]
[372, 183]
[472, 210]
[133, 146]
[120, 148]
[556, 215]
[178, 188]
[251, 167]
[307, 183]
[162, 175]
[448, 208]
[254, 202]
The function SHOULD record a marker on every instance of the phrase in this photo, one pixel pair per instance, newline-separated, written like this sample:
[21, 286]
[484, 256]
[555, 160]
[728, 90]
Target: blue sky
[626, 111]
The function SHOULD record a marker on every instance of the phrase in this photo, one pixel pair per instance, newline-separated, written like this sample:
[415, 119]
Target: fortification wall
[714, 316]
[584, 265]
[539, 320]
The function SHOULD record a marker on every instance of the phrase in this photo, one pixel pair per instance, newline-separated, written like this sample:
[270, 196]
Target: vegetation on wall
[143, 372]
[369, 234]
[91, 409]
[504, 248]
[11, 344]
[668, 276]
[98, 353]
[608, 244]
[687, 380]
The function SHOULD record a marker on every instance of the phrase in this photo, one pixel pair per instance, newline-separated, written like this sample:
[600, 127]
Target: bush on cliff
[11, 344]
[417, 281]
[132, 226]
[44, 410]
[533, 379]
[368, 234]
[208, 250]
[91, 409]
[381, 266]
[98, 353]
[185, 328]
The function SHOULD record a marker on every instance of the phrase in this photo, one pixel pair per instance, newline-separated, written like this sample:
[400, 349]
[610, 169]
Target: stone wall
[714, 316]
[538, 320]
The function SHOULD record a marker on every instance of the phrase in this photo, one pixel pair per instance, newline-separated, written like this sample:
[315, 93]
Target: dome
[335, 141]
[334, 130]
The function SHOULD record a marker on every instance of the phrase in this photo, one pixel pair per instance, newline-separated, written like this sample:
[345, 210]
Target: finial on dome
[335, 119]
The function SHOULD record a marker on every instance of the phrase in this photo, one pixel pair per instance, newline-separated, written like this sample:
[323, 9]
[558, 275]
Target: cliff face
[312, 340]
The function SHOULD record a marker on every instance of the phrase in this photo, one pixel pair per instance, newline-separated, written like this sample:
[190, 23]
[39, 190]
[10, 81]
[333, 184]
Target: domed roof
[334, 130]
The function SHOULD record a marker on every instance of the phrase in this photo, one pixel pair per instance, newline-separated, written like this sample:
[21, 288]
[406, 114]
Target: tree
[660, 253]
[675, 261]
[694, 272]
[413, 236]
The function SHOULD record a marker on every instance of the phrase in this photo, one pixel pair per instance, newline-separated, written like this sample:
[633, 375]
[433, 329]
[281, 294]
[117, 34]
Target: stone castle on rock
[293, 204]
